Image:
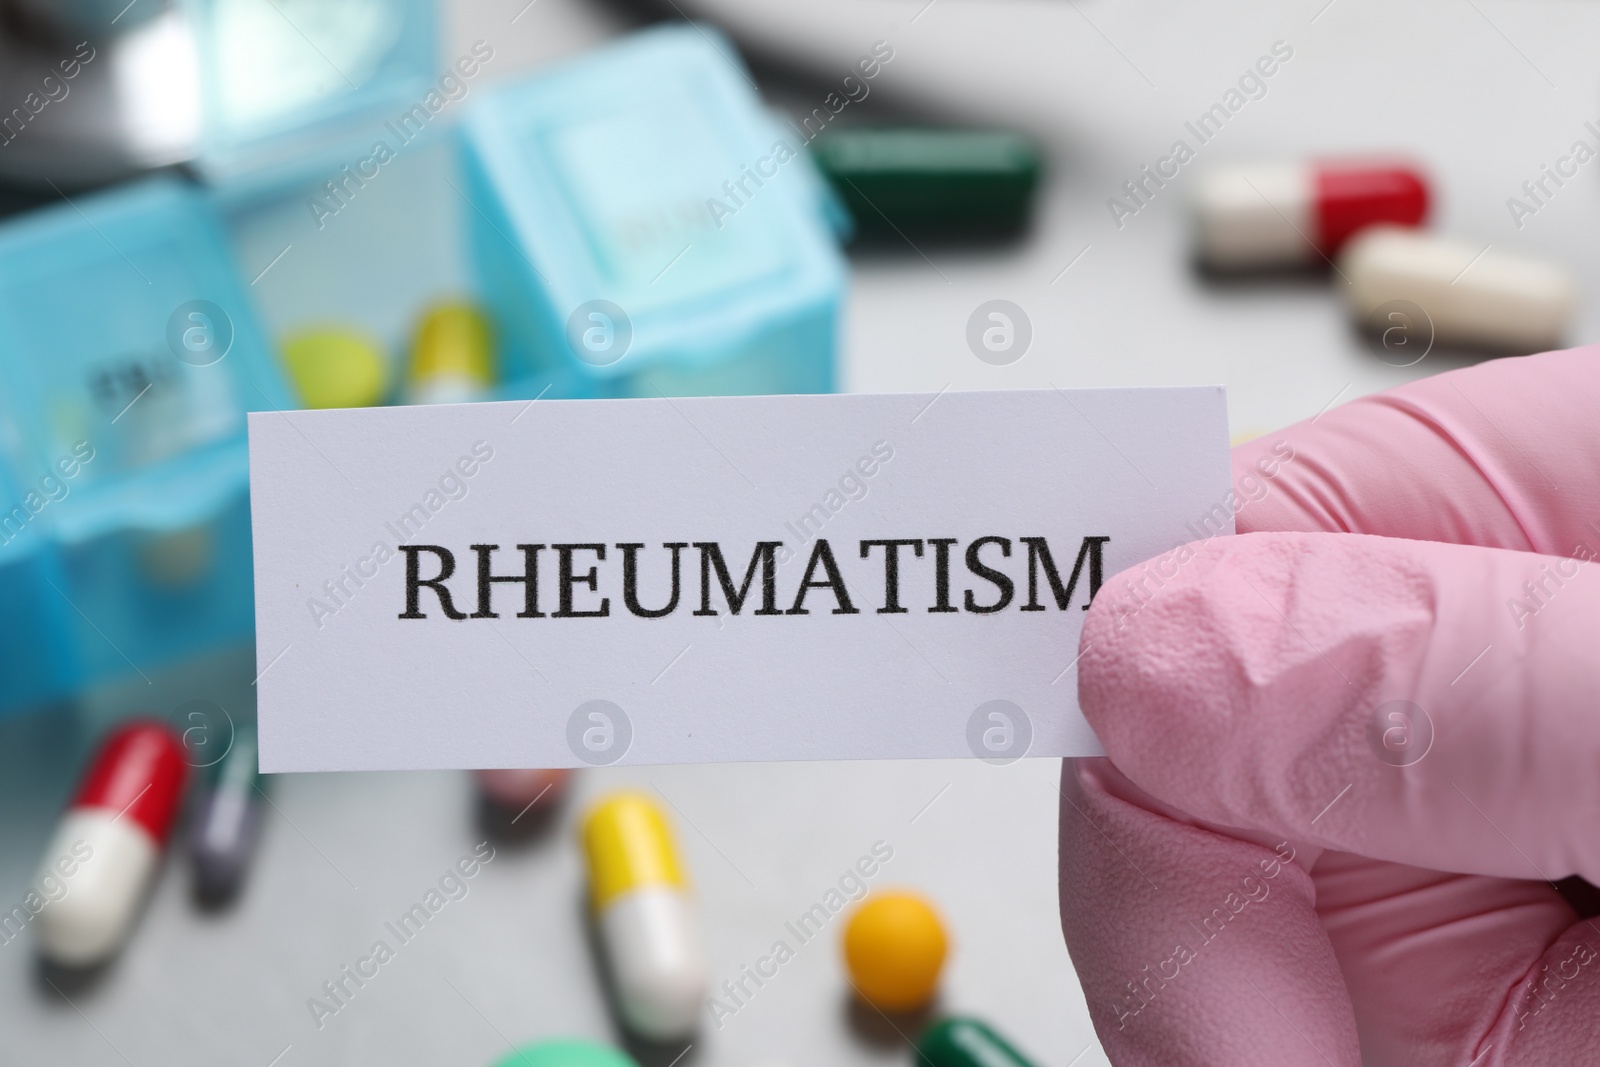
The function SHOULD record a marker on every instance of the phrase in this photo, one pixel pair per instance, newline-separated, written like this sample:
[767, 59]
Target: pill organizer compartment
[129, 354]
[640, 225]
[292, 90]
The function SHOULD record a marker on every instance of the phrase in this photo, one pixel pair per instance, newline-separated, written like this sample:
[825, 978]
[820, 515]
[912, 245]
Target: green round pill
[959, 1041]
[566, 1052]
[334, 368]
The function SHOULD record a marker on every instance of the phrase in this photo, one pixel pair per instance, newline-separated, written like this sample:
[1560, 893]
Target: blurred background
[220, 206]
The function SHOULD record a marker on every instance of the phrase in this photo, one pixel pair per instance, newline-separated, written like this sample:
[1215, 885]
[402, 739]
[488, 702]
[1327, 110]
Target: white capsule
[111, 861]
[1468, 294]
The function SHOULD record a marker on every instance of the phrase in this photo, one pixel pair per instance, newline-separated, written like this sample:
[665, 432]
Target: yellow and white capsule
[646, 919]
[452, 359]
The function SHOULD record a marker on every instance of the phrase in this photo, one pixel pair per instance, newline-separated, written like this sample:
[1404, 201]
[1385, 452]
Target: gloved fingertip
[1199, 660]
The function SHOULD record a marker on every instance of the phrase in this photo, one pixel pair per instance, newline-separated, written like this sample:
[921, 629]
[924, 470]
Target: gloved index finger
[1505, 453]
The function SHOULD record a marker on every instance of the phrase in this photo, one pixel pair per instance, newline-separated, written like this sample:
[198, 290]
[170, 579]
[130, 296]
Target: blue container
[129, 354]
[641, 226]
[292, 90]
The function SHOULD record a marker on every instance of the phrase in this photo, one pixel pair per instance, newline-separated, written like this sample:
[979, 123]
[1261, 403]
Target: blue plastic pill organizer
[641, 226]
[129, 354]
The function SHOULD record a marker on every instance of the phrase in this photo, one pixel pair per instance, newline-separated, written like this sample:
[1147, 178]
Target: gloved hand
[1348, 758]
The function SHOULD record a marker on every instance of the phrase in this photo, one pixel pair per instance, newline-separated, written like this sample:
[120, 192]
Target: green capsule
[958, 1041]
[926, 182]
[566, 1052]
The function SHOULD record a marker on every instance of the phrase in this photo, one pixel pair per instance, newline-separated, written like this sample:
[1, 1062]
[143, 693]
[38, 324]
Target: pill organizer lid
[98, 298]
[290, 88]
[619, 175]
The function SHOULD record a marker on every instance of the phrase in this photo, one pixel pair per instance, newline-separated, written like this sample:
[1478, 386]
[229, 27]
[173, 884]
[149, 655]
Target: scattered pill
[450, 358]
[333, 368]
[1280, 215]
[223, 835]
[517, 788]
[645, 917]
[566, 1052]
[894, 947]
[966, 1042]
[1466, 294]
[108, 843]
[931, 182]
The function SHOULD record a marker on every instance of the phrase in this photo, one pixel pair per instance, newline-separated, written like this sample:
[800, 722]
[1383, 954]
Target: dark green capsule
[958, 1041]
[924, 182]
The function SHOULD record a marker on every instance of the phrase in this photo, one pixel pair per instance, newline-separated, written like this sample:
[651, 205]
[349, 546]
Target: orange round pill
[894, 947]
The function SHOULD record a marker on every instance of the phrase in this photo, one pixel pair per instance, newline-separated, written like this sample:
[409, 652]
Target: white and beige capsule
[645, 917]
[1470, 294]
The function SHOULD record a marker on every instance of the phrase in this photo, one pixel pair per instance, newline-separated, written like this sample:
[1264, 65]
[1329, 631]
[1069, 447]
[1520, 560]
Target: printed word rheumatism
[578, 577]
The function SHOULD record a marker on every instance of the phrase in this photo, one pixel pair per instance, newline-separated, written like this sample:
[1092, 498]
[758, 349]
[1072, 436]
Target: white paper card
[380, 648]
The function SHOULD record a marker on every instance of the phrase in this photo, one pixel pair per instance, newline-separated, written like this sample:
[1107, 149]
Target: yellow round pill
[334, 368]
[894, 946]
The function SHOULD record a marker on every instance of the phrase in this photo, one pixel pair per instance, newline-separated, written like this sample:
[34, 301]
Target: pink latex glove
[1236, 696]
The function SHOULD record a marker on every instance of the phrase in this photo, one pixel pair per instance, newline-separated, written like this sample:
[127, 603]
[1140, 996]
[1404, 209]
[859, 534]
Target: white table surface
[1481, 91]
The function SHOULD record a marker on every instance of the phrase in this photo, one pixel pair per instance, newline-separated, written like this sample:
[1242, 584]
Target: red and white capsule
[109, 842]
[1292, 214]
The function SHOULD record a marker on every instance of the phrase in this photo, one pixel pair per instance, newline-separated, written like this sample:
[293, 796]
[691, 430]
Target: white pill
[1468, 294]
